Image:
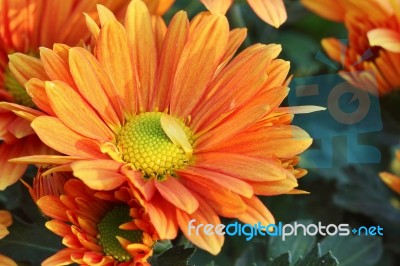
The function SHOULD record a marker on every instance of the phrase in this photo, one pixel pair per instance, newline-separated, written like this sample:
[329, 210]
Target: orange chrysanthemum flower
[372, 56]
[272, 12]
[6, 261]
[200, 135]
[24, 27]
[98, 228]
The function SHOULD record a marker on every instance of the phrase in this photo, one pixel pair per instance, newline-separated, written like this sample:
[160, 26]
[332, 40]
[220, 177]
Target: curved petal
[6, 261]
[162, 214]
[95, 85]
[99, 174]
[25, 67]
[70, 108]
[218, 179]
[143, 50]
[217, 6]
[256, 212]
[70, 143]
[198, 63]
[329, 9]
[62, 257]
[174, 43]
[272, 12]
[241, 166]
[55, 66]
[391, 181]
[386, 38]
[177, 194]
[117, 63]
[53, 207]
[204, 215]
[222, 200]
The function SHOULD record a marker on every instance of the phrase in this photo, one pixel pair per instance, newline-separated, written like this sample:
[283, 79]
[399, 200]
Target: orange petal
[233, 184]
[174, 43]
[5, 218]
[329, 9]
[143, 48]
[232, 125]
[95, 86]
[269, 142]
[217, 6]
[385, 38]
[158, 7]
[177, 194]
[62, 257]
[272, 188]
[223, 201]
[99, 174]
[70, 107]
[159, 28]
[199, 60]
[55, 66]
[162, 214]
[241, 166]
[204, 215]
[335, 49]
[10, 172]
[53, 207]
[58, 227]
[70, 143]
[235, 85]
[146, 187]
[45, 159]
[391, 181]
[272, 12]
[3, 232]
[256, 212]
[36, 89]
[25, 67]
[6, 261]
[236, 38]
[117, 63]
[105, 15]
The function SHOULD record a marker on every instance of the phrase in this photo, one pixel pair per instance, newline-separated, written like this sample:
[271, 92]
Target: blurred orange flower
[24, 27]
[98, 228]
[272, 12]
[372, 57]
[200, 135]
[5, 221]
[392, 180]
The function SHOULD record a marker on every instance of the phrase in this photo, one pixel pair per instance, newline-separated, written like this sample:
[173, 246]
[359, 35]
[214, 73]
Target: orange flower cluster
[141, 126]
[371, 60]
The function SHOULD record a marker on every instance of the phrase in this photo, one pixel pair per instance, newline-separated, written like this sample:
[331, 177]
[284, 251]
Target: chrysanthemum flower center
[16, 90]
[156, 144]
[109, 229]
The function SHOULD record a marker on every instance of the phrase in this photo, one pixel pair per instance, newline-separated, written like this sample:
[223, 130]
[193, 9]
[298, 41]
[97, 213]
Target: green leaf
[282, 260]
[30, 242]
[354, 250]
[296, 245]
[175, 256]
[313, 258]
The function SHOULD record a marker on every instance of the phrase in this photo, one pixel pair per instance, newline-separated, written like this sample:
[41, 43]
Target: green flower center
[16, 90]
[109, 229]
[156, 144]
